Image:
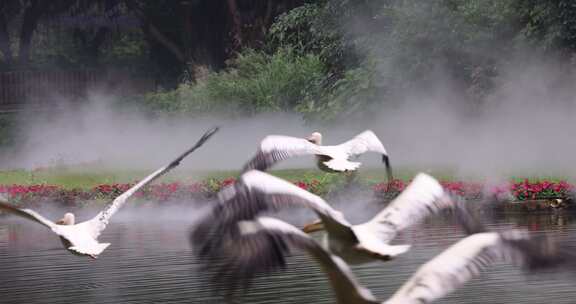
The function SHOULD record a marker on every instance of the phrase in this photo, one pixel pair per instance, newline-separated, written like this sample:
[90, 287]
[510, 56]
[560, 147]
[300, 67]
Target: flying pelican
[256, 192]
[435, 279]
[275, 148]
[82, 238]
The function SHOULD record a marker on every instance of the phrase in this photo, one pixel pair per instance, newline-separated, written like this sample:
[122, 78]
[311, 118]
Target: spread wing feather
[254, 193]
[470, 256]
[27, 213]
[275, 148]
[97, 224]
[364, 142]
[261, 248]
[423, 197]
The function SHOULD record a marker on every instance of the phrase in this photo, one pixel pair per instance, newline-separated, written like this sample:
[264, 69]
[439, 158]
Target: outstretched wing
[422, 197]
[261, 248]
[468, 257]
[27, 213]
[256, 192]
[99, 222]
[364, 142]
[275, 148]
[259, 188]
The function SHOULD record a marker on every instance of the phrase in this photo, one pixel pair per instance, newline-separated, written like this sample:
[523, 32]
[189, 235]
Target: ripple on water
[150, 261]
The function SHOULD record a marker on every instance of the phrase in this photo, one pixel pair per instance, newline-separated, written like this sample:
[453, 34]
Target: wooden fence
[39, 89]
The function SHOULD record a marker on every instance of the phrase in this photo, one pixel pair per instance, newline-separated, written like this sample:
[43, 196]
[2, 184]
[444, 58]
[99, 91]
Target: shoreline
[524, 195]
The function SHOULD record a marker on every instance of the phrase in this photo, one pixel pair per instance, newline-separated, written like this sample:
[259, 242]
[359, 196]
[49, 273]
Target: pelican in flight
[435, 279]
[275, 148]
[82, 238]
[256, 192]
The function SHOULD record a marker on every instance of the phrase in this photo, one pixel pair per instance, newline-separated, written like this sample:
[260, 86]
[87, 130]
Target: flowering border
[162, 192]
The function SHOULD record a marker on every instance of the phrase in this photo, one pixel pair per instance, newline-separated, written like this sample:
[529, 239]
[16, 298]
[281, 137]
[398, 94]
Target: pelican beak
[386, 161]
[314, 226]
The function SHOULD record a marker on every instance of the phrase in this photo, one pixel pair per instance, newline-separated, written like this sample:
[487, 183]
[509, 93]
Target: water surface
[150, 261]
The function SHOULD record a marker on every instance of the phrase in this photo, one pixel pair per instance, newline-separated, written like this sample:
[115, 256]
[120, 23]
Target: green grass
[87, 177]
[77, 177]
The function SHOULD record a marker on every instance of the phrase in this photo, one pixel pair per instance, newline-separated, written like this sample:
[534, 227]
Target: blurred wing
[423, 197]
[275, 148]
[278, 193]
[451, 269]
[261, 248]
[468, 257]
[256, 192]
[468, 222]
[27, 213]
[100, 221]
[364, 142]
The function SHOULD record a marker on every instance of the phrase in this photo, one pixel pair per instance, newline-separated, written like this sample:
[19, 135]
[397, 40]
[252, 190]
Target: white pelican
[82, 238]
[435, 279]
[274, 148]
[255, 192]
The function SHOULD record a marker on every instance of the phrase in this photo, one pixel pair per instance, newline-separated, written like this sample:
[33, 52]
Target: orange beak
[314, 226]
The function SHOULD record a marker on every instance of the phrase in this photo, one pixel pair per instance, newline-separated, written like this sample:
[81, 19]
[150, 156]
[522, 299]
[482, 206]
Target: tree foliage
[374, 52]
[325, 58]
[255, 82]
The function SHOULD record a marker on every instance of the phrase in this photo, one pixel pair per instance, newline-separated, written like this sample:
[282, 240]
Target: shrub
[254, 82]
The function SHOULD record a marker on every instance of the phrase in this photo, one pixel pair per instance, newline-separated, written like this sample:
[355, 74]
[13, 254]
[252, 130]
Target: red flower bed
[523, 190]
[35, 194]
[544, 189]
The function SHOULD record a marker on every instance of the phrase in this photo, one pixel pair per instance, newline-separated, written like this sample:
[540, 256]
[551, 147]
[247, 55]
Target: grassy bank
[84, 178]
[78, 186]
[87, 177]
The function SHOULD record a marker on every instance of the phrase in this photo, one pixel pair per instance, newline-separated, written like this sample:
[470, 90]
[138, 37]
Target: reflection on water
[150, 261]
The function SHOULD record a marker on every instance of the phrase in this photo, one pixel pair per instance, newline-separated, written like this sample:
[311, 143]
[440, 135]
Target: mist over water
[150, 260]
[525, 127]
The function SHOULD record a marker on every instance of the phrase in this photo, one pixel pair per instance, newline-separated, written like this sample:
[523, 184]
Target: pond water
[150, 261]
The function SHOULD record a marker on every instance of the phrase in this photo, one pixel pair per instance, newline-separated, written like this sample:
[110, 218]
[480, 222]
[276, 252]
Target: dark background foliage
[323, 59]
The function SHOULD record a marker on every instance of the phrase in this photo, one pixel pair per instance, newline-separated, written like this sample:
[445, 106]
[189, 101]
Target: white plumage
[275, 148]
[435, 279]
[256, 192]
[82, 238]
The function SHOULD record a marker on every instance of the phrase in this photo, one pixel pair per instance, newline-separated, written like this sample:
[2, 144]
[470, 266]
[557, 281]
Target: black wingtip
[386, 161]
[211, 132]
[469, 223]
[234, 260]
[546, 252]
[198, 144]
[206, 136]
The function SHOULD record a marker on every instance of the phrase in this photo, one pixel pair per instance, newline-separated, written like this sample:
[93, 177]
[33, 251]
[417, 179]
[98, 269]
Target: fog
[525, 127]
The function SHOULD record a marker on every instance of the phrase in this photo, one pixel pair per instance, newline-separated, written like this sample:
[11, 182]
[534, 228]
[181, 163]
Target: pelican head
[313, 227]
[315, 138]
[68, 219]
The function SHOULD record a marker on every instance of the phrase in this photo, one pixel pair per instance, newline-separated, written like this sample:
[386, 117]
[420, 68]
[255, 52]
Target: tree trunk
[29, 23]
[188, 30]
[5, 39]
[236, 29]
[154, 34]
[151, 30]
[94, 47]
